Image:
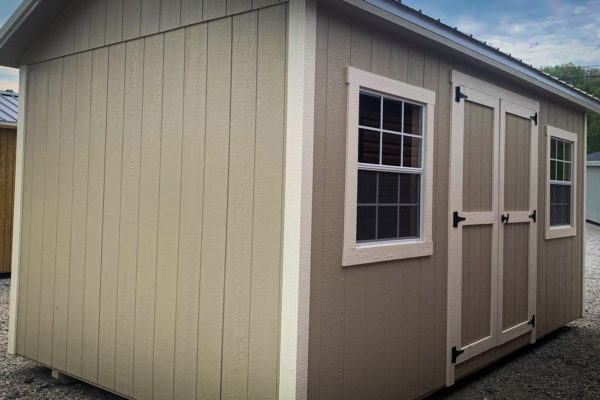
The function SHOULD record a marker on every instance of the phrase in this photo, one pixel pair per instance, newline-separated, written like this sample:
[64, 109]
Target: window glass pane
[567, 151]
[552, 148]
[559, 171]
[567, 172]
[391, 148]
[565, 213]
[387, 222]
[553, 170]
[367, 186]
[392, 115]
[560, 150]
[412, 118]
[412, 152]
[409, 221]
[368, 146]
[410, 188]
[565, 194]
[365, 223]
[554, 215]
[560, 205]
[369, 110]
[388, 188]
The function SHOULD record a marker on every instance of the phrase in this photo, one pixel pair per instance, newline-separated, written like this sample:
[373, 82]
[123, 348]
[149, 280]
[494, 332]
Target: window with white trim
[389, 167]
[561, 156]
[561, 183]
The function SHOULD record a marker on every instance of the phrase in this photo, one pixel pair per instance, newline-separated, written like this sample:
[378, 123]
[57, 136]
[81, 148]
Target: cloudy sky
[545, 32]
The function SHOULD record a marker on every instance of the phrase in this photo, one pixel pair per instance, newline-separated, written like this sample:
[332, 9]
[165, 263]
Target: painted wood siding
[379, 330]
[8, 143]
[151, 242]
[89, 24]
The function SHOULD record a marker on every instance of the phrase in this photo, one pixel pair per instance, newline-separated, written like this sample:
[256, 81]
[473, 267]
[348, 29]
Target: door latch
[456, 219]
[505, 218]
[533, 215]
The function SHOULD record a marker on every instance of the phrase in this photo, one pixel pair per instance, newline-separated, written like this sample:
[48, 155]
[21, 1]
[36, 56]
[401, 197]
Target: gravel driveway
[564, 365]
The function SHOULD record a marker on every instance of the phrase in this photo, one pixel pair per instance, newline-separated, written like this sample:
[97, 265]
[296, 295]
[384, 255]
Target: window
[388, 170]
[390, 144]
[561, 183]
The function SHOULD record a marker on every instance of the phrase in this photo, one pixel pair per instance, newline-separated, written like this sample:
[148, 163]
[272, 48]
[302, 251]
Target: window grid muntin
[398, 205]
[381, 131]
[394, 169]
[554, 142]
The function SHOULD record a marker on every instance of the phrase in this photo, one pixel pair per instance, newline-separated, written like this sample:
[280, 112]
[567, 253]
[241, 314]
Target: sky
[547, 32]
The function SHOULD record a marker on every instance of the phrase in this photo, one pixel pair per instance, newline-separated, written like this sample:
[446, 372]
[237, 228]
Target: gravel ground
[565, 365]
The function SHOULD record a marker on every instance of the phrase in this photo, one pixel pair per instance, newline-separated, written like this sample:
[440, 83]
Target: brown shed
[285, 199]
[9, 107]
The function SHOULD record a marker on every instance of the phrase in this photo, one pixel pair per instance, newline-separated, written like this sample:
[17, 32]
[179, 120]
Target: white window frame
[377, 251]
[554, 232]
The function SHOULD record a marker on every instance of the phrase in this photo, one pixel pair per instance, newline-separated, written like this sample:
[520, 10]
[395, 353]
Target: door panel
[515, 275]
[476, 284]
[478, 157]
[492, 234]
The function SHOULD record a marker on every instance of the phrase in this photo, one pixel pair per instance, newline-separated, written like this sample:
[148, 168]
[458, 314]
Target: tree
[588, 80]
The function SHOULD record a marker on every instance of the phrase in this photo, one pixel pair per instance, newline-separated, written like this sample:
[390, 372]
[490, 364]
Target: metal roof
[9, 108]
[33, 17]
[594, 156]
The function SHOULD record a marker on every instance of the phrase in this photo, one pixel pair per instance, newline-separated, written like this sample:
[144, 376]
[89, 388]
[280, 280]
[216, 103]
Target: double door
[492, 221]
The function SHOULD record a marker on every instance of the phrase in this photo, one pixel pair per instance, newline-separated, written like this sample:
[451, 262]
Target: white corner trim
[566, 231]
[17, 213]
[583, 211]
[299, 137]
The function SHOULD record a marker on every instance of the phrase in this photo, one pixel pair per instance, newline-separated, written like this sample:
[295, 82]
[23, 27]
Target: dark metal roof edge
[18, 17]
[467, 41]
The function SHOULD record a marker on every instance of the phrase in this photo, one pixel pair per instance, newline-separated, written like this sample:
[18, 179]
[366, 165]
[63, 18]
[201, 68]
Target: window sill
[379, 252]
[560, 232]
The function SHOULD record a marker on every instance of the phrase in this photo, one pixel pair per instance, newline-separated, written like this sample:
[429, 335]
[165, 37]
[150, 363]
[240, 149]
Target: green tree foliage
[588, 80]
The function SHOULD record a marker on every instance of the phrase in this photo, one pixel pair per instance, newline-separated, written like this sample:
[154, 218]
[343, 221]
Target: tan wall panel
[515, 279]
[85, 25]
[516, 165]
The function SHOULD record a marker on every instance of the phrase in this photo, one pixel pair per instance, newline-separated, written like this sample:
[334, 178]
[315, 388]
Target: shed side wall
[8, 142]
[151, 241]
[379, 330]
[593, 194]
[89, 24]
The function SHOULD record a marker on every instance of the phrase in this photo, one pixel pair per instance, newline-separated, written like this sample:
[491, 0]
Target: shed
[285, 199]
[593, 188]
[9, 105]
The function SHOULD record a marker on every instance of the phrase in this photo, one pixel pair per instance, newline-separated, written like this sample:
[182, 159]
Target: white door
[491, 249]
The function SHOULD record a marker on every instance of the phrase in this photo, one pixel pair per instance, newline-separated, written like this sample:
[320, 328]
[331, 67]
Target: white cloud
[9, 79]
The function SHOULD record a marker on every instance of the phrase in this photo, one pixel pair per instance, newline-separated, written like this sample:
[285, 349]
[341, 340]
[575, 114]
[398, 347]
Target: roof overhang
[25, 26]
[465, 44]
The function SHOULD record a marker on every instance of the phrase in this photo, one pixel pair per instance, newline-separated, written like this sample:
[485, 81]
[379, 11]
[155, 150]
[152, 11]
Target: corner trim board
[297, 219]
[18, 207]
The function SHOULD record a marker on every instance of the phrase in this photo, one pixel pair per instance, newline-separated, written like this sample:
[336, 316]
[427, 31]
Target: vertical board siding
[152, 211]
[379, 330]
[7, 183]
[89, 24]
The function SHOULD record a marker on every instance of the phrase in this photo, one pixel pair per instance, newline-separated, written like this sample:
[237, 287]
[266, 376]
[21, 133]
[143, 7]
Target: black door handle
[505, 218]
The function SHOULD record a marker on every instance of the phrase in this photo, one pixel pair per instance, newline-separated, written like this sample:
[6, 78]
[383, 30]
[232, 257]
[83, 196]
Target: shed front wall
[152, 211]
[379, 330]
[593, 194]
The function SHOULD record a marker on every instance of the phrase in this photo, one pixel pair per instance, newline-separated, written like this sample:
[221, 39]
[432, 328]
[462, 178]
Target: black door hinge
[456, 219]
[455, 354]
[458, 95]
[534, 118]
[532, 322]
[533, 215]
[505, 218]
